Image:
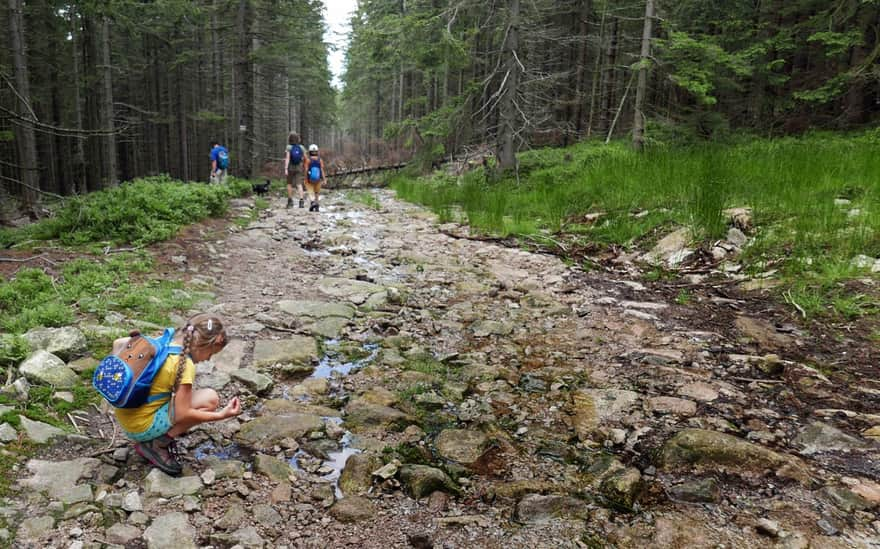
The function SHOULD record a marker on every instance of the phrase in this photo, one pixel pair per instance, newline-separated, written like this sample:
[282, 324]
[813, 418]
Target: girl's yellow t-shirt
[138, 420]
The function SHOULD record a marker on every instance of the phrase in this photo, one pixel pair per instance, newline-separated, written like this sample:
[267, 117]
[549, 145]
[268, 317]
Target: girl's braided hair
[201, 331]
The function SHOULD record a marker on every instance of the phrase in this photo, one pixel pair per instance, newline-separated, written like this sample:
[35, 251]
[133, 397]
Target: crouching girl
[173, 406]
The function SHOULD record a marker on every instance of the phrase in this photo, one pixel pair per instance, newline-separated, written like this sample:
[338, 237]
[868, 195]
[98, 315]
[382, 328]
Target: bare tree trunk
[106, 107]
[78, 172]
[181, 127]
[510, 83]
[245, 91]
[638, 140]
[609, 72]
[25, 138]
[580, 71]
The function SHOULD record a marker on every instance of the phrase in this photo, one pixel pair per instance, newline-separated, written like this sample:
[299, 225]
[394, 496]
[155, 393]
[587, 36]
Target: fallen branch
[12, 260]
[750, 380]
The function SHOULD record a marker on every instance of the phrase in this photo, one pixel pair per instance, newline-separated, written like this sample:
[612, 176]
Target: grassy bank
[138, 212]
[795, 186]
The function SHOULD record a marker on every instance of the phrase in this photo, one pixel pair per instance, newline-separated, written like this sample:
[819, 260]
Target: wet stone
[357, 474]
[272, 467]
[299, 350]
[420, 480]
[255, 381]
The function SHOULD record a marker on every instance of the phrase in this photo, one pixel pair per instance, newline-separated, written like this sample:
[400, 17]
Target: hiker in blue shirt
[219, 162]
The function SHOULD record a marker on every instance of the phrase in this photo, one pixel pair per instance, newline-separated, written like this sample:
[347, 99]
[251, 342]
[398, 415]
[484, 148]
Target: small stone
[700, 391]
[353, 509]
[768, 527]
[7, 433]
[827, 527]
[122, 534]
[121, 454]
[158, 483]
[737, 237]
[132, 502]
[438, 502]
[671, 405]
[191, 504]
[209, 476]
[697, 491]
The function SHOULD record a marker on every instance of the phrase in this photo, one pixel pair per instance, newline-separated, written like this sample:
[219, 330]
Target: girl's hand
[232, 409]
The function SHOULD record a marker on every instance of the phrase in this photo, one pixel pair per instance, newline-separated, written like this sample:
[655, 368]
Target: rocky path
[405, 386]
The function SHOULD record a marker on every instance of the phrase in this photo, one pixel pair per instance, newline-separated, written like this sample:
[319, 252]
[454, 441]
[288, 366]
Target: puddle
[329, 469]
[337, 462]
[331, 362]
[231, 451]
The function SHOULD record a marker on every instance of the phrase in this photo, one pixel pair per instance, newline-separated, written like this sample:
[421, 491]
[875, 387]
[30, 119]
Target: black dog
[261, 188]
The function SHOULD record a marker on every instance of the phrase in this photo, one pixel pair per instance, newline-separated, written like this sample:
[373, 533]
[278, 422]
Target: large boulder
[355, 291]
[44, 368]
[316, 309]
[711, 449]
[57, 478]
[39, 432]
[820, 437]
[265, 431]
[364, 414]
[66, 343]
[294, 350]
[357, 475]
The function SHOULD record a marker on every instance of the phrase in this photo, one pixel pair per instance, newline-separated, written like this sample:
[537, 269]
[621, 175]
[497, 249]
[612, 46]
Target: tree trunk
[78, 170]
[638, 138]
[508, 112]
[106, 108]
[25, 138]
[245, 91]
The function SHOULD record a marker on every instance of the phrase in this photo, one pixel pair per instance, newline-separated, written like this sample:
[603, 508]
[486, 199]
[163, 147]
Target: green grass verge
[139, 212]
[366, 198]
[793, 186]
[92, 286]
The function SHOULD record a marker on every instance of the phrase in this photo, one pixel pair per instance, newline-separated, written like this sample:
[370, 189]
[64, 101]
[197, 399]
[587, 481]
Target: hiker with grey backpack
[149, 381]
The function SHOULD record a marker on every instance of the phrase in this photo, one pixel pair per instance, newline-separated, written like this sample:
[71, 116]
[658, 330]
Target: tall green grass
[791, 184]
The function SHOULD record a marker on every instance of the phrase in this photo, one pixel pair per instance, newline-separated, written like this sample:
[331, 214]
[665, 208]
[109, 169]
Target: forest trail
[527, 403]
